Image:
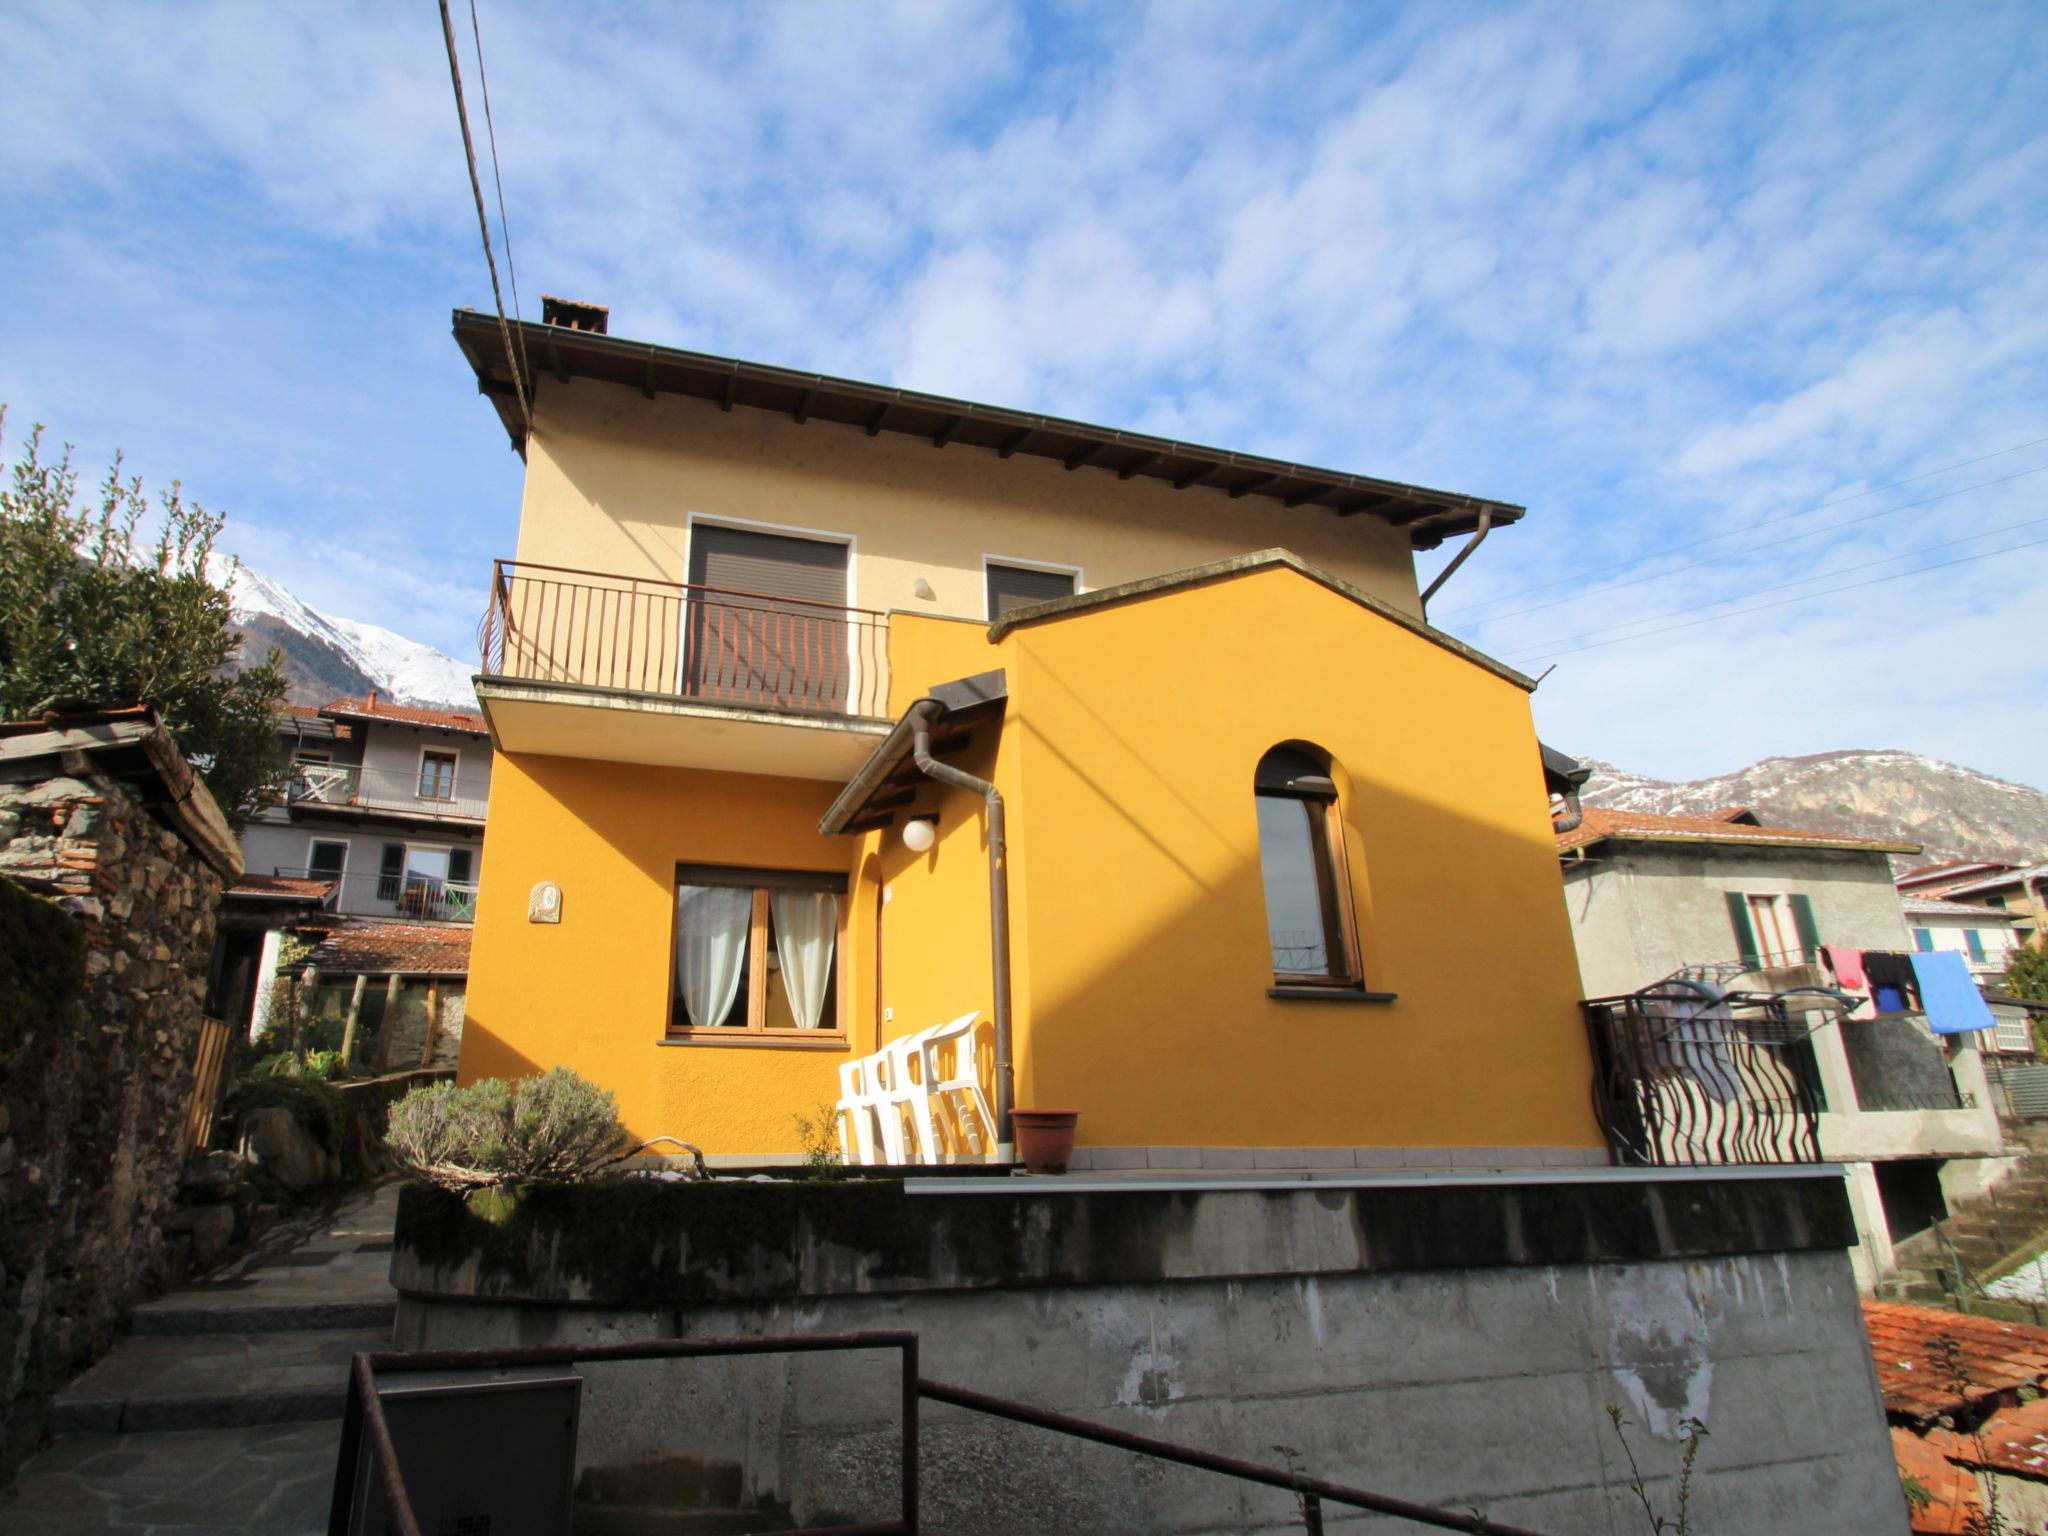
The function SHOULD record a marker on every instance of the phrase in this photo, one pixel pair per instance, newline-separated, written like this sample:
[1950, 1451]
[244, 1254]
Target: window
[1923, 940]
[1771, 929]
[756, 954]
[326, 860]
[1973, 941]
[1019, 586]
[390, 871]
[437, 775]
[766, 619]
[1301, 857]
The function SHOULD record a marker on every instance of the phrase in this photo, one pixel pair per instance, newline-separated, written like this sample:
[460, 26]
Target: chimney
[574, 315]
[371, 701]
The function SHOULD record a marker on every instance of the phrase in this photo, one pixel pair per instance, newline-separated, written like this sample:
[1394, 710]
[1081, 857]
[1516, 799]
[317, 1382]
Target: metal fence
[554, 624]
[1687, 1075]
[397, 895]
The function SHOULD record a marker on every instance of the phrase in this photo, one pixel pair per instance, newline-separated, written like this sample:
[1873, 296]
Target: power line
[482, 219]
[1676, 549]
[504, 222]
[1785, 602]
[1753, 549]
[1547, 647]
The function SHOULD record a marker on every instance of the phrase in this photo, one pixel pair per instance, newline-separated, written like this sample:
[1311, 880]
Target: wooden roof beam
[802, 413]
[1303, 497]
[1142, 462]
[875, 421]
[1195, 476]
[732, 388]
[1086, 455]
[1015, 441]
[1256, 483]
[945, 434]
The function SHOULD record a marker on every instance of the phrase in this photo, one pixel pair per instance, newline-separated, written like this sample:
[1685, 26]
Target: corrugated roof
[1640, 826]
[1920, 1375]
[411, 949]
[408, 714]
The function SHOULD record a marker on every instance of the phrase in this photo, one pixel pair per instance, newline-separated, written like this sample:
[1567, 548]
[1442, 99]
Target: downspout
[1478, 537]
[921, 715]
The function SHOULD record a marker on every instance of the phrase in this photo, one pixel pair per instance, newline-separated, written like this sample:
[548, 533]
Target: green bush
[321, 1066]
[554, 1128]
[312, 1102]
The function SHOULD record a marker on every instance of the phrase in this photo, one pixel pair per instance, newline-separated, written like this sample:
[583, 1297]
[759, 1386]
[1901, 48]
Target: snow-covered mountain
[326, 656]
[1954, 812]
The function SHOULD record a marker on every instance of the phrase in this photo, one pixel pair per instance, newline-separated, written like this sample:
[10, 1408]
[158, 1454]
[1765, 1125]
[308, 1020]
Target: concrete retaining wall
[1454, 1341]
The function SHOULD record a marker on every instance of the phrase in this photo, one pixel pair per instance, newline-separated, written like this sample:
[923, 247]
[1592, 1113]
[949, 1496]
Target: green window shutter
[1802, 919]
[1745, 936]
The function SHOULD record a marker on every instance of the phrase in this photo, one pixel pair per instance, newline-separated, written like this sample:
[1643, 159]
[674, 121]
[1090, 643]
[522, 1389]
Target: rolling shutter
[1745, 936]
[773, 628]
[1017, 586]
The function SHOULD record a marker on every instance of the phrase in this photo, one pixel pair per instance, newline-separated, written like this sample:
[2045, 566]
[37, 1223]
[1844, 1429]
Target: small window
[1923, 940]
[437, 775]
[756, 954]
[1973, 941]
[1773, 930]
[1019, 586]
[1301, 857]
[325, 860]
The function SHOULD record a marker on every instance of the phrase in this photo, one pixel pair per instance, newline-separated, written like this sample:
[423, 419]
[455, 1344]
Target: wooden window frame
[454, 756]
[831, 1037]
[1333, 868]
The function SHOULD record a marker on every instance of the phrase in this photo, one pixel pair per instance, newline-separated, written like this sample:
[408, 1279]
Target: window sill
[1330, 995]
[723, 1040]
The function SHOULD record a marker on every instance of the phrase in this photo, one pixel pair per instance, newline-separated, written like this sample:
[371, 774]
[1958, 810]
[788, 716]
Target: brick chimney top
[574, 314]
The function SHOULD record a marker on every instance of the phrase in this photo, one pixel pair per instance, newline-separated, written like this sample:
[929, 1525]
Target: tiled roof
[1946, 868]
[1953, 1506]
[1928, 906]
[412, 949]
[407, 714]
[1920, 1376]
[1602, 823]
[1990, 883]
[272, 887]
[2011, 1440]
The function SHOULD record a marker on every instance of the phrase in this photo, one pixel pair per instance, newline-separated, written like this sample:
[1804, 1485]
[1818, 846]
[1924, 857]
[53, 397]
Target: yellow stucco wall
[1146, 965]
[592, 992]
[612, 479]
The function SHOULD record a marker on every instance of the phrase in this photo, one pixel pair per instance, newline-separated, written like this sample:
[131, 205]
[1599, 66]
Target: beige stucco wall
[613, 480]
[1640, 912]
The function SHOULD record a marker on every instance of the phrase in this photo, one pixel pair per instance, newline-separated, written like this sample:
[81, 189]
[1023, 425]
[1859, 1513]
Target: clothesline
[1937, 984]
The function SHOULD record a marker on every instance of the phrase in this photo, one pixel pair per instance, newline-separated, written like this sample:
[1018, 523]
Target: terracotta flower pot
[1045, 1137]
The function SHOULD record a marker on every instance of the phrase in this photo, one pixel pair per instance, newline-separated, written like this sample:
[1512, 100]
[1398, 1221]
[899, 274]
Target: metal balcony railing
[553, 624]
[345, 785]
[401, 895]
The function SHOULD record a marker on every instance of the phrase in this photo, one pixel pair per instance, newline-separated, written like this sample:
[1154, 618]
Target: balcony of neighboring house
[350, 792]
[418, 888]
[1760, 1060]
[684, 674]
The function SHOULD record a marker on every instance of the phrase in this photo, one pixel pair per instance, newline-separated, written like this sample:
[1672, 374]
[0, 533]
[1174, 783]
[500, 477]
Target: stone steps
[214, 1381]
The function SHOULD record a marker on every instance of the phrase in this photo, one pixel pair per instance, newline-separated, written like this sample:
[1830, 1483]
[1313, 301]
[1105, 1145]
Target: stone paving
[222, 1411]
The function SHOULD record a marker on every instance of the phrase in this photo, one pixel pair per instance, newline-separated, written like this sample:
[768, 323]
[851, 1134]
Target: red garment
[1847, 964]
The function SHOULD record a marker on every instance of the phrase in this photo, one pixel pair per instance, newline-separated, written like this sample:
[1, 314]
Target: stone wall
[94, 1088]
[1454, 1341]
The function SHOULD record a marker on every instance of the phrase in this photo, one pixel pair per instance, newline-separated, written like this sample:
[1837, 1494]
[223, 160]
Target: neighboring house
[769, 635]
[2020, 893]
[381, 823]
[1749, 907]
[1982, 935]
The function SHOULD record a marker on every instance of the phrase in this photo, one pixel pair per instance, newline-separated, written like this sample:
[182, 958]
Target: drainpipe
[1478, 537]
[922, 713]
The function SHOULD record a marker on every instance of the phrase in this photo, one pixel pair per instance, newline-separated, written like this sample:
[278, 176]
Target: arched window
[1301, 854]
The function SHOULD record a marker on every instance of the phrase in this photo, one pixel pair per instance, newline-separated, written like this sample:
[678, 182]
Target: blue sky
[1658, 273]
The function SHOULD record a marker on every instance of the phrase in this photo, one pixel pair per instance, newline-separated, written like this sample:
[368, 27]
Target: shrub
[530, 1130]
[312, 1102]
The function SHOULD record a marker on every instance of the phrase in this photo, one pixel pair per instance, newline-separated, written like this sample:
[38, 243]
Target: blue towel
[1954, 1005]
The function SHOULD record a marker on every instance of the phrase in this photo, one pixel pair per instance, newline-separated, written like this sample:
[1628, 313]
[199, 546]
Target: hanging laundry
[1954, 1005]
[1847, 966]
[1892, 981]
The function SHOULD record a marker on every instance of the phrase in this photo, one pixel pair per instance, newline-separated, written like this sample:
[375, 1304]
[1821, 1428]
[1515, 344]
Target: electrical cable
[483, 219]
[1547, 647]
[1745, 553]
[1675, 549]
[1807, 597]
[504, 221]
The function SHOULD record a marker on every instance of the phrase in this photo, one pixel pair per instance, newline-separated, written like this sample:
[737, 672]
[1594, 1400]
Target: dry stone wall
[96, 1062]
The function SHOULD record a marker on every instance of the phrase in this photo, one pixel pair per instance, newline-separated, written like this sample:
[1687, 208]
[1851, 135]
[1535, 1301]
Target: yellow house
[826, 712]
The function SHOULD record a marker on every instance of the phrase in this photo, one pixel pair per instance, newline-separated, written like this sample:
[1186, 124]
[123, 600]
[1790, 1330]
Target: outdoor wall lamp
[920, 832]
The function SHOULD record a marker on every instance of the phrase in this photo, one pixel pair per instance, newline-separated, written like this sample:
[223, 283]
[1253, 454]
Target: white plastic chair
[866, 1110]
[955, 1093]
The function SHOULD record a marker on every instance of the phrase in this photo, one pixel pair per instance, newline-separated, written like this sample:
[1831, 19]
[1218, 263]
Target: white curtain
[711, 948]
[806, 923]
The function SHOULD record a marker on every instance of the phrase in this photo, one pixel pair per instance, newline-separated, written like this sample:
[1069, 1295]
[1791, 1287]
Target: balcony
[583, 664]
[411, 894]
[346, 787]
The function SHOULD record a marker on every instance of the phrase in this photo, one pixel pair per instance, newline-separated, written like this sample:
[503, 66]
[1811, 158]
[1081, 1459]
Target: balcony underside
[669, 731]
